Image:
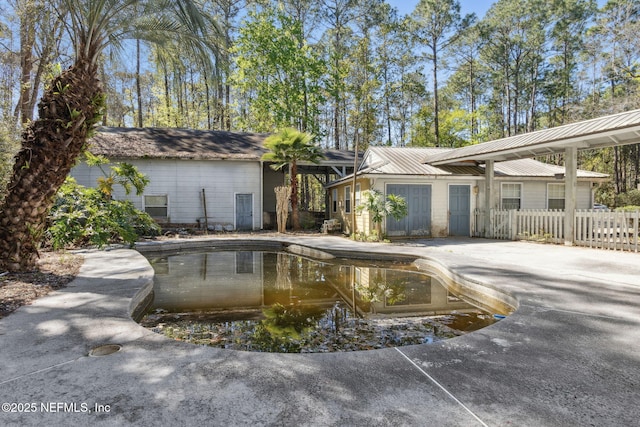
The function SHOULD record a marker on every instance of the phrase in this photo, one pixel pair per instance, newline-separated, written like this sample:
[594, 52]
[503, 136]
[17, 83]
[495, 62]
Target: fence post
[636, 232]
[513, 224]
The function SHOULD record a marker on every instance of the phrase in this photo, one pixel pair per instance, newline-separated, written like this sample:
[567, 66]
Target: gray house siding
[534, 193]
[182, 181]
[418, 219]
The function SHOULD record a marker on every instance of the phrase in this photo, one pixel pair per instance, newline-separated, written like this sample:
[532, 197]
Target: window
[157, 206]
[555, 196]
[334, 199]
[347, 199]
[511, 197]
[357, 196]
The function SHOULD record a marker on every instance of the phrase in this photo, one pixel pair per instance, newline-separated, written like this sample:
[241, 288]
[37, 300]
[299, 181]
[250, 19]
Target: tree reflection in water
[283, 328]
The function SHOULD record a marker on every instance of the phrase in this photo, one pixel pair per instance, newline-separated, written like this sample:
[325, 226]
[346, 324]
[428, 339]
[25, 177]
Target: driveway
[568, 356]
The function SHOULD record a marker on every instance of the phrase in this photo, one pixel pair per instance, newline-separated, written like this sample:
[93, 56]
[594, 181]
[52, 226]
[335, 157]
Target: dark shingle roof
[171, 143]
[168, 143]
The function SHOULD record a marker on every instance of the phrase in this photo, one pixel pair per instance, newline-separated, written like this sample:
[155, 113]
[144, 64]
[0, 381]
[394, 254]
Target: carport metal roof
[617, 129]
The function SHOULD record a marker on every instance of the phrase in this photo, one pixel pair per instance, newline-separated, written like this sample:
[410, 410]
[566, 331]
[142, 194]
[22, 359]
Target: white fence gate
[592, 228]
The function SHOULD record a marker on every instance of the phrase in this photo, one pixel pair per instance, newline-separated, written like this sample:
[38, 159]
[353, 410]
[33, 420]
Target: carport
[608, 131]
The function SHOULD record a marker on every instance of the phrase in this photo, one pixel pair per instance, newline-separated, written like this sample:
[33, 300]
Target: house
[218, 177]
[446, 200]
[200, 177]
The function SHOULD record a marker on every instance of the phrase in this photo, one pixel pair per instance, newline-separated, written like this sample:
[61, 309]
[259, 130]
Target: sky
[479, 7]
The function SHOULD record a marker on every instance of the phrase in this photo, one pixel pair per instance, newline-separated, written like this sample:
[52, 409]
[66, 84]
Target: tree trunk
[531, 126]
[472, 93]
[138, 86]
[68, 111]
[379, 230]
[616, 170]
[27, 41]
[436, 106]
[167, 96]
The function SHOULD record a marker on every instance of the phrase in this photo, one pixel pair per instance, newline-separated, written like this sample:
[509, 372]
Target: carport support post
[571, 184]
[488, 197]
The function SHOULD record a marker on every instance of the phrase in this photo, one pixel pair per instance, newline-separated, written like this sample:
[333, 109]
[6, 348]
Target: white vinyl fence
[592, 228]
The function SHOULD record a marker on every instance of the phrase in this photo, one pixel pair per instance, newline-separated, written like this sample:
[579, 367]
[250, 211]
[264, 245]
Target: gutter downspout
[262, 194]
[353, 192]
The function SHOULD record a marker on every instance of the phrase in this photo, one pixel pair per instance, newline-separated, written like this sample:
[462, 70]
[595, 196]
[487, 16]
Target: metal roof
[533, 168]
[617, 129]
[400, 161]
[408, 161]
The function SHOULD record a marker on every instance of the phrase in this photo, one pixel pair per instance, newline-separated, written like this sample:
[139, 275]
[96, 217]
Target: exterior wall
[183, 180]
[363, 223]
[439, 197]
[534, 196]
[439, 201]
[534, 193]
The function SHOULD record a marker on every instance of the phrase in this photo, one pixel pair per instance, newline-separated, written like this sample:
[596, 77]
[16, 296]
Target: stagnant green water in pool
[279, 302]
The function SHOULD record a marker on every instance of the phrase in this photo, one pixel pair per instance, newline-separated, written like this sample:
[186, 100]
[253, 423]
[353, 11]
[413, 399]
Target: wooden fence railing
[592, 228]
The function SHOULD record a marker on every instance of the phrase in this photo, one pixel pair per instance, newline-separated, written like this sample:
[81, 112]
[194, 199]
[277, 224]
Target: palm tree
[72, 105]
[287, 148]
[379, 208]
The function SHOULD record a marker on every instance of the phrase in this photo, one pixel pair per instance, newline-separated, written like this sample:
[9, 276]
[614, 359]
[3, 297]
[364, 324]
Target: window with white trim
[334, 200]
[555, 196]
[357, 196]
[157, 206]
[347, 199]
[510, 196]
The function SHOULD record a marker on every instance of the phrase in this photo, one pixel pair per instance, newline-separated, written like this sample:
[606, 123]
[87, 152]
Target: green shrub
[628, 208]
[84, 216]
[307, 220]
[629, 198]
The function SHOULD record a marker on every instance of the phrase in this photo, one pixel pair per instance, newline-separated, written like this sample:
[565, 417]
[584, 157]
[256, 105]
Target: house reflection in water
[250, 281]
[202, 281]
[392, 291]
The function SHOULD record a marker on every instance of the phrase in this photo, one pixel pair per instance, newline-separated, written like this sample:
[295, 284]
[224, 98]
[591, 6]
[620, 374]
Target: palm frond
[97, 23]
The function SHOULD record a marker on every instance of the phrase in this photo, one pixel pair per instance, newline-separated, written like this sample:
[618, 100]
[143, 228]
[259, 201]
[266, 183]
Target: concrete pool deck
[569, 355]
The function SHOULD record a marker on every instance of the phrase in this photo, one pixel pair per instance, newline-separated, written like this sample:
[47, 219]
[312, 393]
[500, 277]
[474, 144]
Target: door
[419, 207]
[460, 210]
[244, 211]
[394, 227]
[418, 219]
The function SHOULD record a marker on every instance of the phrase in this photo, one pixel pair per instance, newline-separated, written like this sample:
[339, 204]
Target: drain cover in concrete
[105, 350]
